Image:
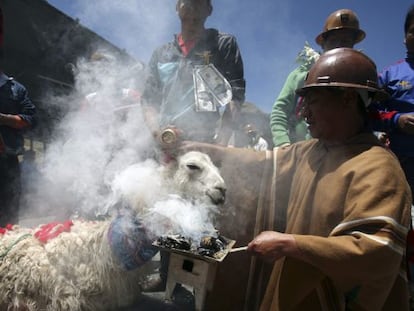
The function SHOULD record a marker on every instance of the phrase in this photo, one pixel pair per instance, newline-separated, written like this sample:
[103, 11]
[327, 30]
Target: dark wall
[40, 44]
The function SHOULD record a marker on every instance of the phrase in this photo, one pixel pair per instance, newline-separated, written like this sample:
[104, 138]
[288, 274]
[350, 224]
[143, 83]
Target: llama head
[195, 178]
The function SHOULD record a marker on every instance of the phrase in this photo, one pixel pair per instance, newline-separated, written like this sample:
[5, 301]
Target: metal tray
[219, 256]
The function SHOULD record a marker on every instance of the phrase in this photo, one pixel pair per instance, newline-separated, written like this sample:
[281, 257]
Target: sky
[270, 33]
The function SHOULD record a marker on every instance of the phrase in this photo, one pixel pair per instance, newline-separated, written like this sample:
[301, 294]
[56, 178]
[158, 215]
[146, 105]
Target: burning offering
[175, 241]
[209, 248]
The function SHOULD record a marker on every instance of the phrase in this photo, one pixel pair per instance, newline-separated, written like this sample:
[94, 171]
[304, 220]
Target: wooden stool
[196, 273]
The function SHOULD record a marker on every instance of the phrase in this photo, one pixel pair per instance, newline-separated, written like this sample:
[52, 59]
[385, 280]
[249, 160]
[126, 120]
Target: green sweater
[285, 125]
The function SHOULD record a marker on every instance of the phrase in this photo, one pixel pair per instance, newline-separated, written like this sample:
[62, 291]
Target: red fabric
[47, 231]
[382, 115]
[8, 227]
[186, 46]
[52, 230]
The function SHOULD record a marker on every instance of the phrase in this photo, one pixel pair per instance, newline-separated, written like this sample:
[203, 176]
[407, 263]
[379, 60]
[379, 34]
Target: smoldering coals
[209, 246]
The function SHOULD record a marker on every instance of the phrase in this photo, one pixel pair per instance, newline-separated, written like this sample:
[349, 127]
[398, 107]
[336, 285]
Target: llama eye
[193, 167]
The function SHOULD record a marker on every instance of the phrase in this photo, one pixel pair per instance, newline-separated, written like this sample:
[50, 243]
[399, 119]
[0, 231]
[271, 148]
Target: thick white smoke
[102, 152]
[136, 26]
[94, 143]
[159, 204]
[102, 133]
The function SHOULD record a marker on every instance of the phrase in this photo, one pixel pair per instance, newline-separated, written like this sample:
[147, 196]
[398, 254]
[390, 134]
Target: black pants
[10, 188]
[407, 164]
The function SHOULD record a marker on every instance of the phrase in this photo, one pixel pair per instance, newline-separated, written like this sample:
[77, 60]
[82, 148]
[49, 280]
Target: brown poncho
[349, 209]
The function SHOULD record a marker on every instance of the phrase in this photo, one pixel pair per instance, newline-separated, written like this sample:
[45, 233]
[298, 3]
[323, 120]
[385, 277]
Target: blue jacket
[398, 81]
[14, 100]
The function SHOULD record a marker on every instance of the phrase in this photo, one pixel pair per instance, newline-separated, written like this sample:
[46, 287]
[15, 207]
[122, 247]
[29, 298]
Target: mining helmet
[344, 67]
[341, 19]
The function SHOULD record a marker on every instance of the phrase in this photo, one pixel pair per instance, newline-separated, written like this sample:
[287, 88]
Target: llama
[98, 265]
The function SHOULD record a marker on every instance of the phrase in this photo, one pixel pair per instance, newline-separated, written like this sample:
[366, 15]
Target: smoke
[102, 133]
[177, 216]
[157, 201]
[136, 26]
[102, 157]
[93, 144]
[101, 151]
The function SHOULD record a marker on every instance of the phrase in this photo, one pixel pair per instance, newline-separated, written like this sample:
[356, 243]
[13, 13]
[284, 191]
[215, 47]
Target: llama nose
[222, 190]
[221, 194]
[217, 194]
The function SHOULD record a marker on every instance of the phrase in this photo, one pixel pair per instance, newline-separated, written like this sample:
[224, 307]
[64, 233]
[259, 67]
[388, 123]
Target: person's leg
[407, 164]
[10, 188]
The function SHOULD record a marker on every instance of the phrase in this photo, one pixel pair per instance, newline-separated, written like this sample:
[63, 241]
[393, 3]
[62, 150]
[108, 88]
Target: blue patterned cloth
[129, 242]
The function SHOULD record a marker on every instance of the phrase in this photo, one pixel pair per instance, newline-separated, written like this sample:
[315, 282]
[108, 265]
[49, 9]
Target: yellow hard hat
[341, 19]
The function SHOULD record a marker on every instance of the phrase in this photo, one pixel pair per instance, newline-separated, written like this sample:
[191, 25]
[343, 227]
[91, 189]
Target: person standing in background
[190, 81]
[254, 140]
[192, 77]
[341, 29]
[395, 117]
[17, 114]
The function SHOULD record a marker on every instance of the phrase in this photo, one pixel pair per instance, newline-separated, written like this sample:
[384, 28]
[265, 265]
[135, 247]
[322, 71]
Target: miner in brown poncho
[338, 206]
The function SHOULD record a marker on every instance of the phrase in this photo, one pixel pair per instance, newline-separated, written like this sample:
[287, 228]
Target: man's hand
[406, 123]
[14, 121]
[272, 245]
[4, 119]
[216, 152]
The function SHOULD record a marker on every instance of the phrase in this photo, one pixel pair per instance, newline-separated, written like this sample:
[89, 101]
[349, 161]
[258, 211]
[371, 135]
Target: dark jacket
[170, 86]
[14, 100]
